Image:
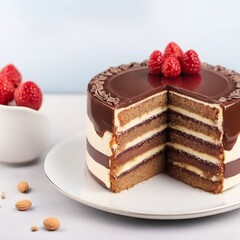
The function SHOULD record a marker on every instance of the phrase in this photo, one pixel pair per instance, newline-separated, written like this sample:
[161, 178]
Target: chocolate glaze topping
[126, 84]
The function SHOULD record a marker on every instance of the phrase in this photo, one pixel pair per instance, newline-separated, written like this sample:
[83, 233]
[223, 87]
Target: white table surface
[66, 114]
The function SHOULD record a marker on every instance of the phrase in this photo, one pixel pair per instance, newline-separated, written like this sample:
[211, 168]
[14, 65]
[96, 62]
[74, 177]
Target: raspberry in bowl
[24, 127]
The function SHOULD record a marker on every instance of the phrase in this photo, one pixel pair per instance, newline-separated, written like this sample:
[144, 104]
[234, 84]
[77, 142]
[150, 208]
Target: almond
[34, 228]
[3, 195]
[23, 187]
[51, 223]
[23, 205]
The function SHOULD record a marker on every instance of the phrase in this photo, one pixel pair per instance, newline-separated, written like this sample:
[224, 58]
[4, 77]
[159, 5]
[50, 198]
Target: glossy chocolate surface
[132, 85]
[124, 85]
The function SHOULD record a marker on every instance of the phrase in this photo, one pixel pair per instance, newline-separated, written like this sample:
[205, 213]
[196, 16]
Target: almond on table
[51, 223]
[34, 228]
[3, 195]
[23, 187]
[23, 205]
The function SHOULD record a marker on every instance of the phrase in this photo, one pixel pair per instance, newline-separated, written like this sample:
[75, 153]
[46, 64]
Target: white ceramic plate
[158, 198]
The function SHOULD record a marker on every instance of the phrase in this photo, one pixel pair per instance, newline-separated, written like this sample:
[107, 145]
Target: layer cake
[140, 125]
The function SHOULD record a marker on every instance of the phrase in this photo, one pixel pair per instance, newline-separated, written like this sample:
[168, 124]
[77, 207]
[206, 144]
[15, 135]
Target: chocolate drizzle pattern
[234, 76]
[97, 83]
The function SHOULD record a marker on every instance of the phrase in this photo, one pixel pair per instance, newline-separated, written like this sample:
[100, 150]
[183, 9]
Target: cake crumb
[34, 228]
[3, 195]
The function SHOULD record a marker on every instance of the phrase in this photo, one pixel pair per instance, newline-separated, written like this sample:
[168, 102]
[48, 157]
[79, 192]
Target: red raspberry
[190, 62]
[171, 67]
[173, 50]
[155, 62]
[6, 90]
[28, 94]
[13, 75]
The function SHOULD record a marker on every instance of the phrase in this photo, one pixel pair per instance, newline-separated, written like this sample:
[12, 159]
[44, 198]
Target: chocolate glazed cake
[141, 124]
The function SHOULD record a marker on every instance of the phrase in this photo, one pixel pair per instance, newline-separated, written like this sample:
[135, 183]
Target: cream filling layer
[98, 170]
[138, 119]
[102, 144]
[194, 116]
[145, 136]
[227, 182]
[195, 153]
[229, 156]
[195, 134]
[195, 170]
[137, 160]
[212, 105]
[103, 173]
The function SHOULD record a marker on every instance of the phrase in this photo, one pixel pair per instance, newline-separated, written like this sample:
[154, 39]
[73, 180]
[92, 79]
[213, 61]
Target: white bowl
[24, 134]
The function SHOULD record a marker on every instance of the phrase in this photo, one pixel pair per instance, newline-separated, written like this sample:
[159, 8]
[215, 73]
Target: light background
[61, 44]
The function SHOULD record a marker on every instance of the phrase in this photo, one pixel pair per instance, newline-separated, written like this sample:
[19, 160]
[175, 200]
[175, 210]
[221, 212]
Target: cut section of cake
[139, 140]
[195, 153]
[140, 125]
